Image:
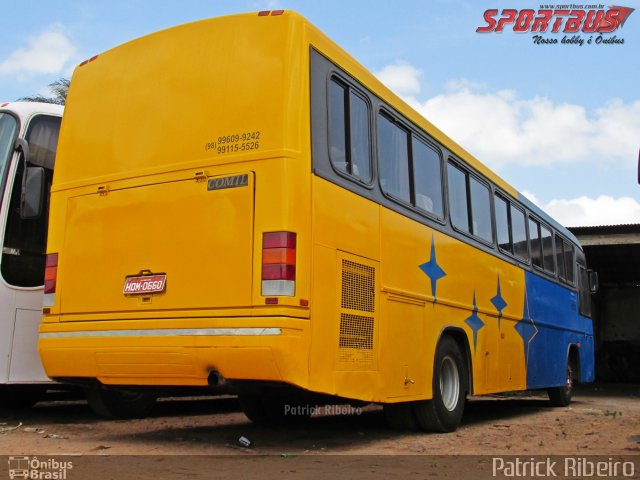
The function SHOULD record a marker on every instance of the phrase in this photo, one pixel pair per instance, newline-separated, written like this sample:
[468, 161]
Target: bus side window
[427, 178]
[547, 249]
[536, 249]
[393, 154]
[519, 234]
[569, 262]
[481, 210]
[503, 231]
[458, 201]
[583, 291]
[337, 126]
[349, 132]
[25, 241]
[560, 258]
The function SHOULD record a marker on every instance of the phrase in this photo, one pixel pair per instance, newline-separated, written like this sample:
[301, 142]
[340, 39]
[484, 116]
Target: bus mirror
[21, 145]
[594, 283]
[32, 193]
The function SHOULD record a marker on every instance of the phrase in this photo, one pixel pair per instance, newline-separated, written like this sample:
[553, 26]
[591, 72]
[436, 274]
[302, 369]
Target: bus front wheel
[120, 404]
[561, 396]
[450, 379]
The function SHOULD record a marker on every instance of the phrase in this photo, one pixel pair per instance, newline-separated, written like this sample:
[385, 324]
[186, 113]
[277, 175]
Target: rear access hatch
[188, 244]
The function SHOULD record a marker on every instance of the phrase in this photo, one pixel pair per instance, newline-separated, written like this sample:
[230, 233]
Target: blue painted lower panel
[550, 325]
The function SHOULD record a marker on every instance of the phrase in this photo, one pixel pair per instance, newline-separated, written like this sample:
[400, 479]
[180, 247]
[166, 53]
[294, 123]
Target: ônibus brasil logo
[586, 23]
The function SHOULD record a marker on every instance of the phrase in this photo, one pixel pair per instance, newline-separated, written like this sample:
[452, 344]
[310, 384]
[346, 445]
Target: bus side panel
[344, 326]
[432, 282]
[549, 326]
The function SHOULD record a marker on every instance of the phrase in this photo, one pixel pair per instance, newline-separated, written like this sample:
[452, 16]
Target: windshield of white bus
[8, 128]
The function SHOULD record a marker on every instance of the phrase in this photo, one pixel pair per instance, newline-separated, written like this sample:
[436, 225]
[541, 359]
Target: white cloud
[532, 197]
[585, 211]
[401, 77]
[47, 53]
[501, 128]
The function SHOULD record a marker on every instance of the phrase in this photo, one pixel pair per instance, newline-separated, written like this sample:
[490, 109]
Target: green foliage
[59, 90]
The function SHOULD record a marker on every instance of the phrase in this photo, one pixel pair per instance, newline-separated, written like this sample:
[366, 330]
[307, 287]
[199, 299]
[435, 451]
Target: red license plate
[145, 284]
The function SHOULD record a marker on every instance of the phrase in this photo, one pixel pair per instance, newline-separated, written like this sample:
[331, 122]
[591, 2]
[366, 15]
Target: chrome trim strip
[166, 332]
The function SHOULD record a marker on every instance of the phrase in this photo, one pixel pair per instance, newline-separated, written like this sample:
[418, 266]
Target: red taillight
[51, 273]
[50, 277]
[278, 263]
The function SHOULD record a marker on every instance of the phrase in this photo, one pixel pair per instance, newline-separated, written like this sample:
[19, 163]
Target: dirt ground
[602, 420]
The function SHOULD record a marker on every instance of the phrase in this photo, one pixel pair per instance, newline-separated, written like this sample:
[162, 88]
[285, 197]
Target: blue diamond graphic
[474, 323]
[432, 269]
[526, 328]
[499, 303]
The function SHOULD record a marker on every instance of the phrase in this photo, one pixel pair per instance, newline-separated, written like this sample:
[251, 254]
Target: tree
[59, 90]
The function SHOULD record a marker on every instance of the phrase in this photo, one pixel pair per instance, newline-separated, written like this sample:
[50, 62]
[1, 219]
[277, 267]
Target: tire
[400, 416]
[120, 404]
[18, 397]
[561, 396]
[275, 408]
[443, 412]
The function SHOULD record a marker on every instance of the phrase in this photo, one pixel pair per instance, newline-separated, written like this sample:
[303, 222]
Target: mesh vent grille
[356, 332]
[358, 287]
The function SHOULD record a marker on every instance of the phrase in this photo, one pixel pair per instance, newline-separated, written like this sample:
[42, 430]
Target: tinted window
[427, 178]
[360, 138]
[583, 291]
[393, 155]
[42, 138]
[457, 181]
[547, 249]
[560, 257]
[8, 128]
[519, 233]
[536, 250]
[23, 253]
[481, 210]
[349, 136]
[337, 126]
[569, 262]
[502, 224]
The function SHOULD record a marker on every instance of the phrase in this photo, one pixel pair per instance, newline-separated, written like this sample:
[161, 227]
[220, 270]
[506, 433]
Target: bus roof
[172, 58]
[25, 109]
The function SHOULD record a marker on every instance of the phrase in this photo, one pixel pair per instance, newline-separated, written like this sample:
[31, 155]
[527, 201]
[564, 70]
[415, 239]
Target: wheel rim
[569, 386]
[449, 383]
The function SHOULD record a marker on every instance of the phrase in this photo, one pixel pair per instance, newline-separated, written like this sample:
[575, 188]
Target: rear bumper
[177, 352]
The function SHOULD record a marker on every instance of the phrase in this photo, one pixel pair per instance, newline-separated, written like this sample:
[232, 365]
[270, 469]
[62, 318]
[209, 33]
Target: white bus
[28, 142]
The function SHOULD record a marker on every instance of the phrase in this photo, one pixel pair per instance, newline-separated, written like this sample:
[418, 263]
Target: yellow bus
[238, 201]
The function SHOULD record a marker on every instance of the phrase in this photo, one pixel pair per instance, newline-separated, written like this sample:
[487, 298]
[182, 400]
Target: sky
[559, 122]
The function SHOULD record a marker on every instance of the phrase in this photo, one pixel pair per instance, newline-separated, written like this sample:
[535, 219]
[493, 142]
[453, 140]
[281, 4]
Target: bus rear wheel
[450, 379]
[561, 396]
[120, 404]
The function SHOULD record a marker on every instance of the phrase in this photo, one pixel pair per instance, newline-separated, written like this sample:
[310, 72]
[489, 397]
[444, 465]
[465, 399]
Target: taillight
[279, 264]
[50, 277]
